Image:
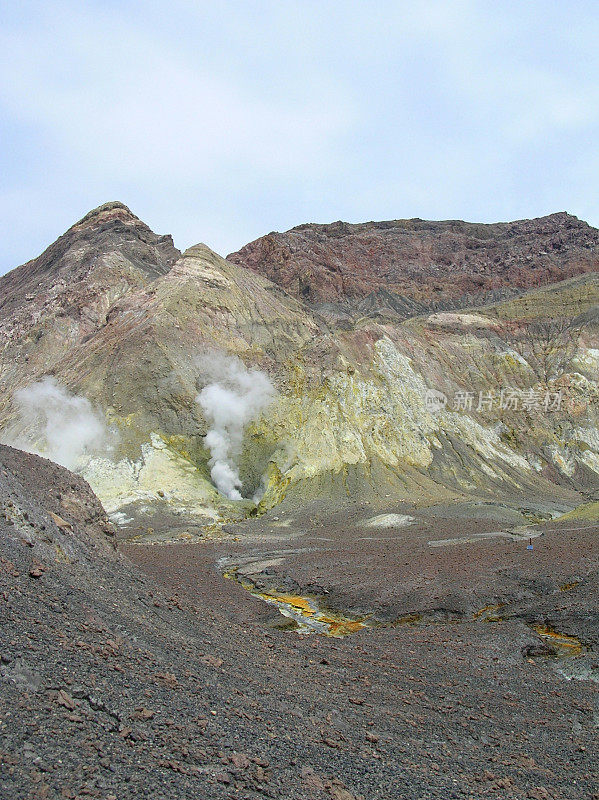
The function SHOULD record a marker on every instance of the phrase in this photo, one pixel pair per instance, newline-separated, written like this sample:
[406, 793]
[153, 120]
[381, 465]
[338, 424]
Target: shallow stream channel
[304, 613]
[305, 616]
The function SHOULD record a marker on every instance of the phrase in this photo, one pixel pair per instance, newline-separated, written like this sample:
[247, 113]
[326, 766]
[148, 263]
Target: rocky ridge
[351, 413]
[435, 264]
[55, 301]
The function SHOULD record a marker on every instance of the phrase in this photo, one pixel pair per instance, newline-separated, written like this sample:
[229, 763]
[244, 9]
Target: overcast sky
[221, 121]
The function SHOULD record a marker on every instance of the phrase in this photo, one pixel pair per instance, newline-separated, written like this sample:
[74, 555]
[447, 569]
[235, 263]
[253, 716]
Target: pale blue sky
[221, 121]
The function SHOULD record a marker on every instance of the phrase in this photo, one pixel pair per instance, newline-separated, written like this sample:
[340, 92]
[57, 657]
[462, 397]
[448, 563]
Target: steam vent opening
[232, 398]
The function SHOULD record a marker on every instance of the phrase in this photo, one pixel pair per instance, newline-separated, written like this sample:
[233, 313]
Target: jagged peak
[112, 210]
[85, 246]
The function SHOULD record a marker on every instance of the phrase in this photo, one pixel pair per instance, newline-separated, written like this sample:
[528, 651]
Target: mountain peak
[104, 254]
[108, 211]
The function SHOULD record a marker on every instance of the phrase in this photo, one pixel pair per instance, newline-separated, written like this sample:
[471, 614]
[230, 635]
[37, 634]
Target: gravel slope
[165, 680]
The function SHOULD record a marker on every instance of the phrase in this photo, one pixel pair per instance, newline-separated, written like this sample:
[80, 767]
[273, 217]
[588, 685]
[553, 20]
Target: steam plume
[57, 424]
[232, 397]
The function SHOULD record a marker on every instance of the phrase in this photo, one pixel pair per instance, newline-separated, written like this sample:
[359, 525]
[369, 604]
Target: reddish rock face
[420, 260]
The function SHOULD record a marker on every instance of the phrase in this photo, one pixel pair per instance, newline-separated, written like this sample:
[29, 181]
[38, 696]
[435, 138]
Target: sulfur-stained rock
[119, 317]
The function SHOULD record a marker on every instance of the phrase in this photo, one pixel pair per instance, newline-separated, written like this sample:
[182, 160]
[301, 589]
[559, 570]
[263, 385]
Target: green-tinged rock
[350, 417]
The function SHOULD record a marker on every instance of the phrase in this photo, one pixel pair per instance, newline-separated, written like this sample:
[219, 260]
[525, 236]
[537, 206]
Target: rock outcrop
[52, 511]
[428, 263]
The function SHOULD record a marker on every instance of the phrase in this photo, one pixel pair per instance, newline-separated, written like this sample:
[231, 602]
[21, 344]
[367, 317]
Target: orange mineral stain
[488, 613]
[305, 611]
[568, 645]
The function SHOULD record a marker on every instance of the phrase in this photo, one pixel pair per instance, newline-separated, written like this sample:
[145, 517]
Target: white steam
[57, 424]
[233, 397]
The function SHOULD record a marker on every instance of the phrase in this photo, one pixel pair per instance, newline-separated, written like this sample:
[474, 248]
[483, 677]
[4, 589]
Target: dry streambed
[306, 614]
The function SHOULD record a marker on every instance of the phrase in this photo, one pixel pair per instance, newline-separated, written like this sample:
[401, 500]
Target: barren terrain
[152, 673]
